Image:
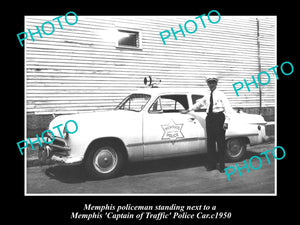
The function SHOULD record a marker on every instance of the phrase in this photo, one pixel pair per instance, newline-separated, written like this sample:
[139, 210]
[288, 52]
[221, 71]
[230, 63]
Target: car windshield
[134, 102]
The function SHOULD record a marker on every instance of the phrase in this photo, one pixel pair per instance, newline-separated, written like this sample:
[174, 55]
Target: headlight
[65, 133]
[49, 137]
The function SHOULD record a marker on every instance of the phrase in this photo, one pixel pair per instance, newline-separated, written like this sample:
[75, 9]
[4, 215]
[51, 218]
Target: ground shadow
[67, 174]
[168, 164]
[76, 173]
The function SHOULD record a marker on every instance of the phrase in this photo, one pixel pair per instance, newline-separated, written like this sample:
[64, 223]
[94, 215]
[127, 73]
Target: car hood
[105, 119]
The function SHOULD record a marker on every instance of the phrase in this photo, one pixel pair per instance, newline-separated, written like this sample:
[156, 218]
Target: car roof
[159, 91]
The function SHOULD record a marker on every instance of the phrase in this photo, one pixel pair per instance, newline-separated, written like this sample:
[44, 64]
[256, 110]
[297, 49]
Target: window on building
[129, 39]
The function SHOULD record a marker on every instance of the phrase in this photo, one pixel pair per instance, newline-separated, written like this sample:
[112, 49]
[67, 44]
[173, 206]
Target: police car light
[151, 82]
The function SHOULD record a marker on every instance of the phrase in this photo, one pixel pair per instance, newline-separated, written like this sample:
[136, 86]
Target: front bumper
[58, 151]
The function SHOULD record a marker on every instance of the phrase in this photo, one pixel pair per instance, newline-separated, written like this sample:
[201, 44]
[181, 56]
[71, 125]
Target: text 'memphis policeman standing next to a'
[218, 111]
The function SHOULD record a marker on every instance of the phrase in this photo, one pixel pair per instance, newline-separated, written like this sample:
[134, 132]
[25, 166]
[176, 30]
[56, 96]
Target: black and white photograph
[137, 117]
[123, 104]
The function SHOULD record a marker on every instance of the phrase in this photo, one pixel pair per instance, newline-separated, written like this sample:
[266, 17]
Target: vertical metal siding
[79, 68]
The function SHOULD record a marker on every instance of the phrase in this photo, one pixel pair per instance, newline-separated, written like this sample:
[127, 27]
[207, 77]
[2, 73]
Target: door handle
[191, 119]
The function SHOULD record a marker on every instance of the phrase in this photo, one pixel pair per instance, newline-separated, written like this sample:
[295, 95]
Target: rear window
[196, 98]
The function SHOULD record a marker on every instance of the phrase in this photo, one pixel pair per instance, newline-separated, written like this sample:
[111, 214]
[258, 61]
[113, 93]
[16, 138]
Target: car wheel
[103, 162]
[235, 149]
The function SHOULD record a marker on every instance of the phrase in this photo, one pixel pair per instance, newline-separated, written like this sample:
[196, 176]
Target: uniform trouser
[215, 134]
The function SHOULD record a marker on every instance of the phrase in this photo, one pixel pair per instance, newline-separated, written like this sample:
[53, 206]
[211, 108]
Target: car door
[167, 132]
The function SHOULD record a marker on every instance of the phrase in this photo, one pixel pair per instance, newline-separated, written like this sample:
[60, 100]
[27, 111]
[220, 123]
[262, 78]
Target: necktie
[210, 110]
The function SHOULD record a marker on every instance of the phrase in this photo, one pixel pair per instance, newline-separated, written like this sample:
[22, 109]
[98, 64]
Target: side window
[196, 98]
[169, 104]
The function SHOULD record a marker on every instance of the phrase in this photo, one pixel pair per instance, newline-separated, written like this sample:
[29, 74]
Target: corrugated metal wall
[80, 69]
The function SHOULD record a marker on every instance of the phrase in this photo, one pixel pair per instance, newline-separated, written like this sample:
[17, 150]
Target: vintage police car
[148, 124]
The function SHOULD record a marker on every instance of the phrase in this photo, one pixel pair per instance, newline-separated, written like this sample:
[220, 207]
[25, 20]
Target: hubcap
[234, 148]
[105, 160]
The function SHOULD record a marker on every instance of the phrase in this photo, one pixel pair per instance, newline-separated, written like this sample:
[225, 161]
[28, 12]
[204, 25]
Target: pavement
[183, 175]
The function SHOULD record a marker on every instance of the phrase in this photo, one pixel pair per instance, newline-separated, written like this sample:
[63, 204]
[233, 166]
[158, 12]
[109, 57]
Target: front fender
[123, 125]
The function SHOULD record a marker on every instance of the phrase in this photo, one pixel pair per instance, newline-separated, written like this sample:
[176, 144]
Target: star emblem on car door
[172, 131]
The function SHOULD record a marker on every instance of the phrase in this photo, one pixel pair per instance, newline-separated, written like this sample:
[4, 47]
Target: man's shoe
[221, 167]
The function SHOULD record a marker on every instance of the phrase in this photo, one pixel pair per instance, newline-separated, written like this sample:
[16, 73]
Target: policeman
[218, 110]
